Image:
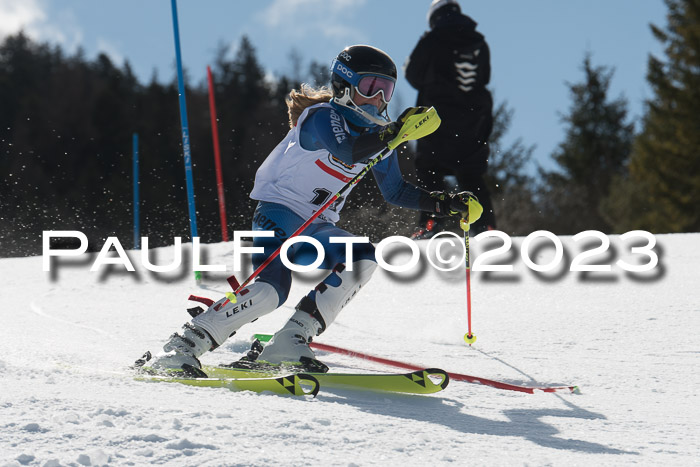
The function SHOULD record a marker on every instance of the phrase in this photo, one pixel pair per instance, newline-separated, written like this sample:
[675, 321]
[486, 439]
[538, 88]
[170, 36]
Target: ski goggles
[369, 86]
[366, 85]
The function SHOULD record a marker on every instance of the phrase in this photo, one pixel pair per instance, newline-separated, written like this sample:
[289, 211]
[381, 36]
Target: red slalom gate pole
[454, 376]
[217, 157]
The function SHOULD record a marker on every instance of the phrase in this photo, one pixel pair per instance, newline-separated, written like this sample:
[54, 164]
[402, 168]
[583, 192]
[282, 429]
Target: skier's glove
[411, 111]
[464, 205]
[392, 130]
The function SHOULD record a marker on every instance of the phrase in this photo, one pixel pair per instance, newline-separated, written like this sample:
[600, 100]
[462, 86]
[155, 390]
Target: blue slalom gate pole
[137, 202]
[185, 130]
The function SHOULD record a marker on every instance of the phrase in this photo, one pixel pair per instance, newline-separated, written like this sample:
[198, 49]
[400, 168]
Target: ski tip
[308, 384]
[438, 377]
[575, 390]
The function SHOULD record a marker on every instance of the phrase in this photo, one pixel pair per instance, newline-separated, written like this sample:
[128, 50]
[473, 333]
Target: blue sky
[537, 46]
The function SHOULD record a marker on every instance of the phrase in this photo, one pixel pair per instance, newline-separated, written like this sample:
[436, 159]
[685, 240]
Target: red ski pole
[297, 232]
[469, 337]
[416, 125]
[455, 376]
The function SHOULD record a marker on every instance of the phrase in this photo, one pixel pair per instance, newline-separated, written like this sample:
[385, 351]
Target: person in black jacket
[450, 68]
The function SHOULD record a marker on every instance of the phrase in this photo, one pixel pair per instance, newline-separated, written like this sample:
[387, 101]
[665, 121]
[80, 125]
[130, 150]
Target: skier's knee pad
[222, 321]
[336, 290]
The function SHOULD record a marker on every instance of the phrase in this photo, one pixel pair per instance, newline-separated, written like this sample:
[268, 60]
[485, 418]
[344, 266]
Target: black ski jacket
[450, 67]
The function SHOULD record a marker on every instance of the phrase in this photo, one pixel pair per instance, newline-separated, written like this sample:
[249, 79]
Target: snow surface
[630, 341]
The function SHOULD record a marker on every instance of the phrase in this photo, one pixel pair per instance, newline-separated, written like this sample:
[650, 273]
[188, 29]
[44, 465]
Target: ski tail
[299, 384]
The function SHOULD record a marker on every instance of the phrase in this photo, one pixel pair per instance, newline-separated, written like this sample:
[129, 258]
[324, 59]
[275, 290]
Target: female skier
[334, 132]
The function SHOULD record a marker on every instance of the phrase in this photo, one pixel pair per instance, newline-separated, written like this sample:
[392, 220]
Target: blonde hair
[306, 96]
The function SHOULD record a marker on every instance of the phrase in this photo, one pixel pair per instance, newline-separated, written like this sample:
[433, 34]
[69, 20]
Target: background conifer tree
[597, 144]
[661, 192]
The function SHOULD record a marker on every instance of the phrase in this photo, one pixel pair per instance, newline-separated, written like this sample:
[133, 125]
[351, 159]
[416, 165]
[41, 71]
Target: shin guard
[336, 290]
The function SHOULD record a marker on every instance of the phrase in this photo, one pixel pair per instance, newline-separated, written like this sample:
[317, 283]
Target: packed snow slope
[629, 341]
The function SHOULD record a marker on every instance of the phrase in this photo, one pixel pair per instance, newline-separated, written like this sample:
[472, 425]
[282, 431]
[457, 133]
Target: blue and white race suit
[317, 158]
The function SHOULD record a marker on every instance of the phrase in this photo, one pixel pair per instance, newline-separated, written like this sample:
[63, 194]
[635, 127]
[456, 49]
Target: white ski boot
[181, 351]
[315, 312]
[291, 343]
[211, 328]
